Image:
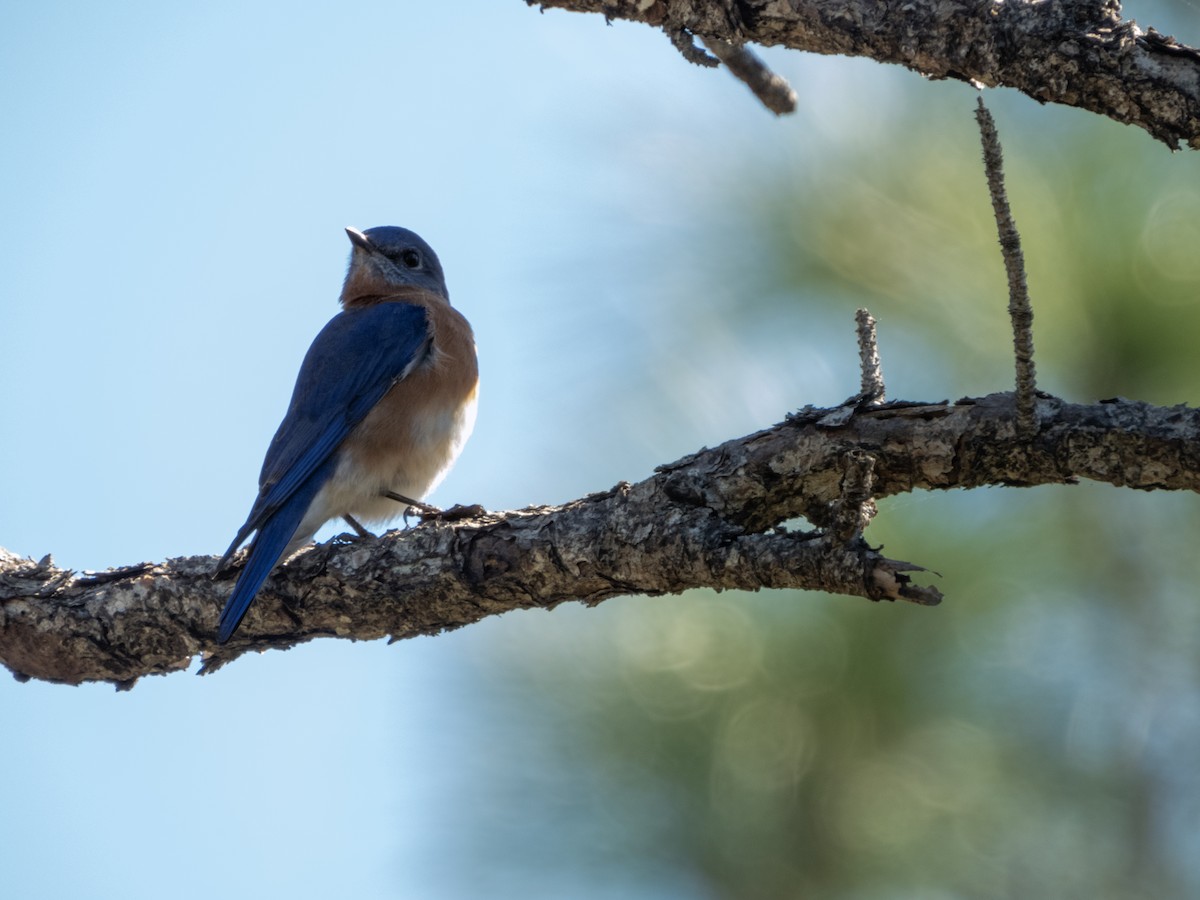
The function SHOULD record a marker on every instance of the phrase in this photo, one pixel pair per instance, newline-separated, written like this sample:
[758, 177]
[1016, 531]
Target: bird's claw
[456, 513]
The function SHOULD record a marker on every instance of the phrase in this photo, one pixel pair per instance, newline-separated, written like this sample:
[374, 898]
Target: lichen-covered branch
[711, 519]
[1076, 52]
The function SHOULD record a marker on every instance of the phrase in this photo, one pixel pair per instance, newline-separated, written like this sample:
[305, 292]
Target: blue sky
[175, 180]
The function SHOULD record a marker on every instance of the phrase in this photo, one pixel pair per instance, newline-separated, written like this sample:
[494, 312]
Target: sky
[175, 180]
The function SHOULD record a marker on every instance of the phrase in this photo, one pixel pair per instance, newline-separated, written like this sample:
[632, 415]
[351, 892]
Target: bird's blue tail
[268, 545]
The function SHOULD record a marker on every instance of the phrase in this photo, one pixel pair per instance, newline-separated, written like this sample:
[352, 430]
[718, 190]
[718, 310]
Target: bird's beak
[358, 239]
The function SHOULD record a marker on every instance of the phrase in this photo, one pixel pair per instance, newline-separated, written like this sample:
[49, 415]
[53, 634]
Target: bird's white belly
[433, 444]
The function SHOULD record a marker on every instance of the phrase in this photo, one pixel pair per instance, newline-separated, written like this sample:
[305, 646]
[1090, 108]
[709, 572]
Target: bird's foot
[456, 513]
[429, 513]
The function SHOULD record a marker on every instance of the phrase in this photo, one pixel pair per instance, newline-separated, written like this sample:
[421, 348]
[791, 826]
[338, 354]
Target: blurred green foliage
[1037, 735]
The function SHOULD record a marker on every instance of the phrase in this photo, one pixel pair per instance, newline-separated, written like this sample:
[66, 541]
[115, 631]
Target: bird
[383, 404]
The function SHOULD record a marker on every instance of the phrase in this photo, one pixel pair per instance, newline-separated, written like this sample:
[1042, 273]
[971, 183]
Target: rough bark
[713, 519]
[1076, 52]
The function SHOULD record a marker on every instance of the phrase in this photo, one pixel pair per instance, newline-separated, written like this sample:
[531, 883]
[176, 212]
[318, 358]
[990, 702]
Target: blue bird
[383, 404]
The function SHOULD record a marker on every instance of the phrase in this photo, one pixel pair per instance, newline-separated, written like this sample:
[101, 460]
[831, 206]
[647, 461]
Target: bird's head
[388, 260]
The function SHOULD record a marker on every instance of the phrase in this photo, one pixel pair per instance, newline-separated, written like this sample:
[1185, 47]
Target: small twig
[681, 38]
[772, 90]
[868, 353]
[1019, 308]
[855, 508]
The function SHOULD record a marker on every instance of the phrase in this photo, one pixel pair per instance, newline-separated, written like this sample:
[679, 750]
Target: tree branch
[1076, 52]
[711, 519]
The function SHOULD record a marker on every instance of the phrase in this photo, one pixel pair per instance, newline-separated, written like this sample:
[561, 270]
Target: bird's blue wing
[351, 364]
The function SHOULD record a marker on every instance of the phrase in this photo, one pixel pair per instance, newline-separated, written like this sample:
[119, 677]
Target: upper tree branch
[1077, 52]
[709, 519]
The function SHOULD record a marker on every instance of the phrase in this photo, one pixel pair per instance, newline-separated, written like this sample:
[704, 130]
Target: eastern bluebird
[383, 404]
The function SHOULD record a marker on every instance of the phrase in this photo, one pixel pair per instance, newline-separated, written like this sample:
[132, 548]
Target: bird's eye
[411, 259]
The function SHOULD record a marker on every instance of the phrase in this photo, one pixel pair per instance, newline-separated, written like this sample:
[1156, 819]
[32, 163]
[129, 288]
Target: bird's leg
[358, 529]
[423, 508]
